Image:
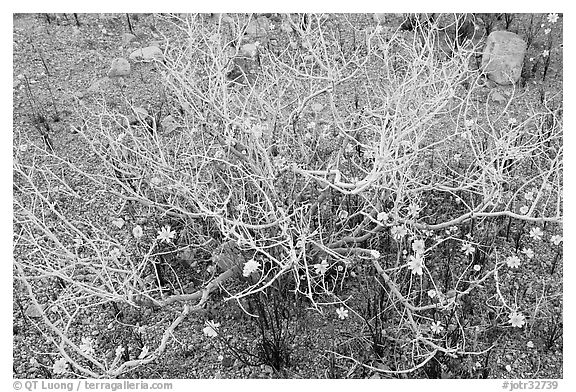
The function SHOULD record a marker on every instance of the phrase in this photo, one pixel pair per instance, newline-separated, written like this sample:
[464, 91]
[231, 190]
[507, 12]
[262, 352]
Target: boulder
[148, 53]
[503, 57]
[119, 67]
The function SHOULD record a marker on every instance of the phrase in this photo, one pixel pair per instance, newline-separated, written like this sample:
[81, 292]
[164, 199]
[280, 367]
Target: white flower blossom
[60, 366]
[415, 264]
[375, 254]
[251, 266]
[536, 233]
[165, 234]
[418, 246]
[321, 268]
[432, 293]
[436, 327]
[468, 249]
[528, 252]
[513, 261]
[382, 217]
[524, 210]
[398, 232]
[516, 319]
[342, 313]
[553, 18]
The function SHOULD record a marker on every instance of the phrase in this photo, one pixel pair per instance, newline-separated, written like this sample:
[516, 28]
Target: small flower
[477, 267]
[398, 232]
[210, 329]
[251, 266]
[272, 27]
[155, 181]
[432, 293]
[413, 209]
[436, 327]
[531, 59]
[468, 249]
[165, 234]
[23, 147]
[321, 268]
[382, 217]
[545, 53]
[415, 264]
[220, 358]
[60, 366]
[512, 121]
[418, 246]
[530, 344]
[137, 232]
[86, 346]
[457, 157]
[508, 368]
[547, 31]
[378, 29]
[513, 261]
[536, 233]
[524, 210]
[556, 239]
[115, 253]
[468, 123]
[529, 196]
[119, 350]
[343, 214]
[342, 313]
[144, 352]
[516, 319]
[552, 18]
[375, 254]
[528, 252]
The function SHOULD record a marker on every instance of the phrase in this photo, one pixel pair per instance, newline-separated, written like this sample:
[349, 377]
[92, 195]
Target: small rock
[33, 312]
[148, 53]
[497, 97]
[119, 67]
[228, 362]
[169, 124]
[127, 38]
[97, 85]
[249, 50]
